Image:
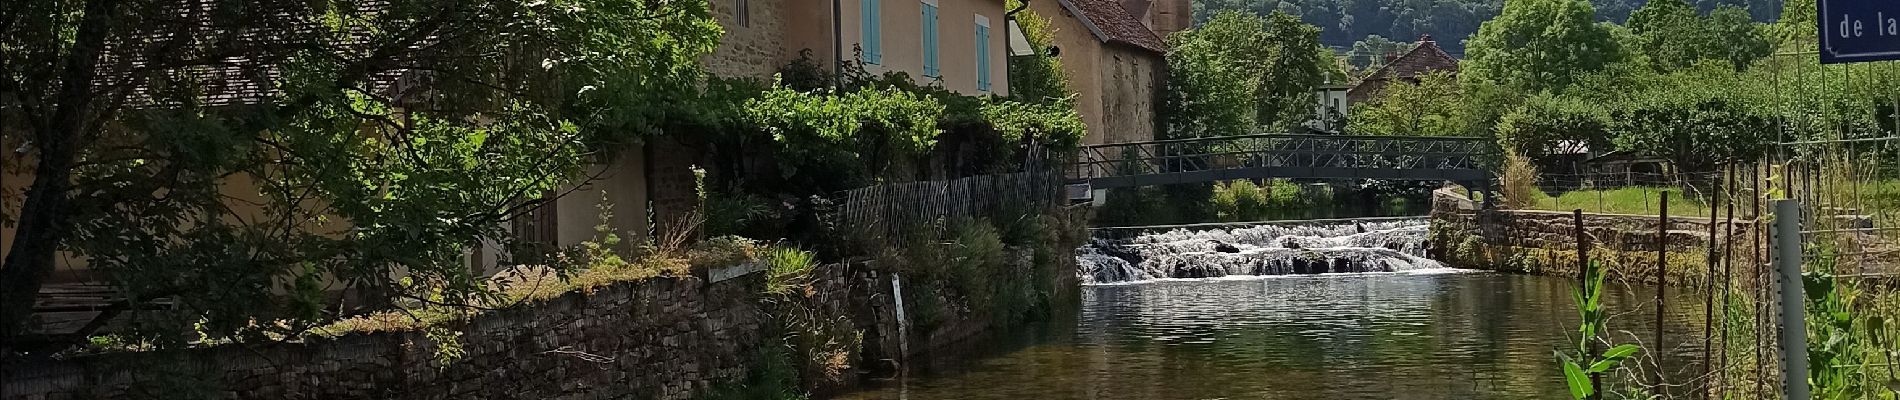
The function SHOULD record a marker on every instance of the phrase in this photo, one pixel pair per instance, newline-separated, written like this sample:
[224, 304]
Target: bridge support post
[1490, 198]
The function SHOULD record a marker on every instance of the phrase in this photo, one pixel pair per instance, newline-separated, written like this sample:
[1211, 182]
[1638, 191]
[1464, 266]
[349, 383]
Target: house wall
[903, 39]
[1115, 85]
[1130, 82]
[754, 49]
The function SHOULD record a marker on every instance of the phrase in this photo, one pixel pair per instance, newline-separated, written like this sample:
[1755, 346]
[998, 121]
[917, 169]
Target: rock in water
[1224, 247]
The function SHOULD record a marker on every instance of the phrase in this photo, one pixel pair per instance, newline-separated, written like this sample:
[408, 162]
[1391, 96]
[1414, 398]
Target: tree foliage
[1452, 22]
[1671, 36]
[1539, 45]
[1038, 77]
[243, 156]
[1240, 72]
[1433, 106]
[852, 136]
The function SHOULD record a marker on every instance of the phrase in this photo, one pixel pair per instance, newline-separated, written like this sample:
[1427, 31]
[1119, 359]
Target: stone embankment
[1545, 242]
[657, 338]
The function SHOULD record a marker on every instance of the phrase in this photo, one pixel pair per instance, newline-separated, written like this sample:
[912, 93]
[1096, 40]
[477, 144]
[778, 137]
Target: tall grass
[1519, 182]
[1629, 200]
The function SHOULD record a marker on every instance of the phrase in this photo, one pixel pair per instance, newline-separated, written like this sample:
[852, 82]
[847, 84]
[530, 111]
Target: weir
[1310, 247]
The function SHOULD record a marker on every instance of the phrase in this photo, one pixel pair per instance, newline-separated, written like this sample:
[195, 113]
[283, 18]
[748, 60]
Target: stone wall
[1544, 242]
[662, 338]
[1131, 90]
[754, 42]
[671, 185]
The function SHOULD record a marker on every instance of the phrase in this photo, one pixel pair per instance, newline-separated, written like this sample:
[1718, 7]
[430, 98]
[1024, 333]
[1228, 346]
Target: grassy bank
[1629, 200]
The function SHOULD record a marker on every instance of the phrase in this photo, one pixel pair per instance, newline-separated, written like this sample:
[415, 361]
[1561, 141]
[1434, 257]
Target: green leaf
[1612, 358]
[1578, 382]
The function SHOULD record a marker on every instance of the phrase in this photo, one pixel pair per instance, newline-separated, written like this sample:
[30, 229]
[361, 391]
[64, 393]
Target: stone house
[1423, 59]
[1114, 55]
[956, 43]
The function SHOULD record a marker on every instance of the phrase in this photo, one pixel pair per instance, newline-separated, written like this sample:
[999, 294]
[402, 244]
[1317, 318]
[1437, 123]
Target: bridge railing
[1318, 152]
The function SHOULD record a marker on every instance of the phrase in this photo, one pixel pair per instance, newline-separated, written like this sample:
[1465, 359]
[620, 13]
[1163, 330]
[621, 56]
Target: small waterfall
[1383, 246]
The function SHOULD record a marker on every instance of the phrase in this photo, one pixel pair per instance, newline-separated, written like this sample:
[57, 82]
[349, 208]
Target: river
[1415, 330]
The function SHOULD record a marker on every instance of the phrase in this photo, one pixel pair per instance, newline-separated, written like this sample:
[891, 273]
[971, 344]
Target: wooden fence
[900, 209]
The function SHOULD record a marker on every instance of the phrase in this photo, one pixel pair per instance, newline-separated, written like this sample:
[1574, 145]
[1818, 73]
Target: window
[930, 40]
[873, 24]
[742, 10]
[982, 53]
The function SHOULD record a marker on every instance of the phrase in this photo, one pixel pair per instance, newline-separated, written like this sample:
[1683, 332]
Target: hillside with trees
[1345, 23]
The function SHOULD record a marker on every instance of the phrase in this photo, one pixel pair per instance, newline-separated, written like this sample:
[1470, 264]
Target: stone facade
[754, 43]
[1130, 95]
[663, 338]
[1117, 82]
[1545, 242]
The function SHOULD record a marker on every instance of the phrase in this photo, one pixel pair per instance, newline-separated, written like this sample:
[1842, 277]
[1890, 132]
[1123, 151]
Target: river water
[1420, 332]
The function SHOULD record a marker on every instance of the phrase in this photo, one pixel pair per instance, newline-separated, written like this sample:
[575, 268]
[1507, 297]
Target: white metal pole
[1794, 331]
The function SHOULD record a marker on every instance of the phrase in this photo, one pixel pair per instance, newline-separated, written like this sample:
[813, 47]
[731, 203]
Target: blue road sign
[1859, 30]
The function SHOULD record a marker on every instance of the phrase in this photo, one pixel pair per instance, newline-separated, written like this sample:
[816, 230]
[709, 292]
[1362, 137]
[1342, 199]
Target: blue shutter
[872, 37]
[930, 41]
[982, 58]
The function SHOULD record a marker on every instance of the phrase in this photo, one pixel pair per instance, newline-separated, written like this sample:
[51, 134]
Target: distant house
[1115, 59]
[1329, 111]
[1423, 59]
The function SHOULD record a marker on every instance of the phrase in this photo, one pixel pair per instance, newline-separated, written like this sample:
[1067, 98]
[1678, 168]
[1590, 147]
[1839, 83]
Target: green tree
[1697, 119]
[1431, 107]
[1744, 40]
[1214, 76]
[1672, 37]
[1036, 78]
[1241, 72]
[362, 140]
[1295, 64]
[1545, 121]
[1537, 45]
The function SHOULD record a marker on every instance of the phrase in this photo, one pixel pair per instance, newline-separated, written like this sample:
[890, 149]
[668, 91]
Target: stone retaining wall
[1545, 242]
[659, 338]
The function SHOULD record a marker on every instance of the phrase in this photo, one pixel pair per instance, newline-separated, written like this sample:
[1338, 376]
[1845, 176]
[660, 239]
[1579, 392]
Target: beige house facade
[1114, 55]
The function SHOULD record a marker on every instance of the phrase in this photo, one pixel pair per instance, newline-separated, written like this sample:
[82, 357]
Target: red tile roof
[1112, 23]
[1423, 59]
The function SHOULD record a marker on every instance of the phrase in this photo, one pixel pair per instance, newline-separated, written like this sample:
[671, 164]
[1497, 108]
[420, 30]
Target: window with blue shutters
[873, 27]
[982, 53]
[930, 40]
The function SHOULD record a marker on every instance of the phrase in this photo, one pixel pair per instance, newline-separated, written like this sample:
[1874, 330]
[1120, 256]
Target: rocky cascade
[1283, 249]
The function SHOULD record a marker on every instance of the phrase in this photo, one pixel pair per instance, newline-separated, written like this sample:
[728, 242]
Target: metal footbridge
[1165, 162]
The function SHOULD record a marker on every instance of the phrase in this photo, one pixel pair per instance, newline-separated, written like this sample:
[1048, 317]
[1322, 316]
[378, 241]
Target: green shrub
[975, 261]
[788, 269]
[1239, 200]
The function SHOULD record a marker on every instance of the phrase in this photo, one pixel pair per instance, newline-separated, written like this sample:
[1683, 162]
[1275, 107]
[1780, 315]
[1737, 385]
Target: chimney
[1139, 10]
[1426, 38]
[1168, 16]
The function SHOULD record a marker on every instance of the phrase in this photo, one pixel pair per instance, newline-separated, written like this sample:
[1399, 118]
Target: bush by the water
[1242, 200]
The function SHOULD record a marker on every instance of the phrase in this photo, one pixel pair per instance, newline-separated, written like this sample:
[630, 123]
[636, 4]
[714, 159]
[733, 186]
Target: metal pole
[1662, 277]
[1592, 348]
[1794, 331]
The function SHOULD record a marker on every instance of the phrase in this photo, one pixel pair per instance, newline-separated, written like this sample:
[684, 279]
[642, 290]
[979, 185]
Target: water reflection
[1433, 335]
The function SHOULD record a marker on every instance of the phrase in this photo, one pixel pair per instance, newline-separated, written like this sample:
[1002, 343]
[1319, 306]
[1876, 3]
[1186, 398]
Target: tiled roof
[1424, 58]
[1112, 23]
